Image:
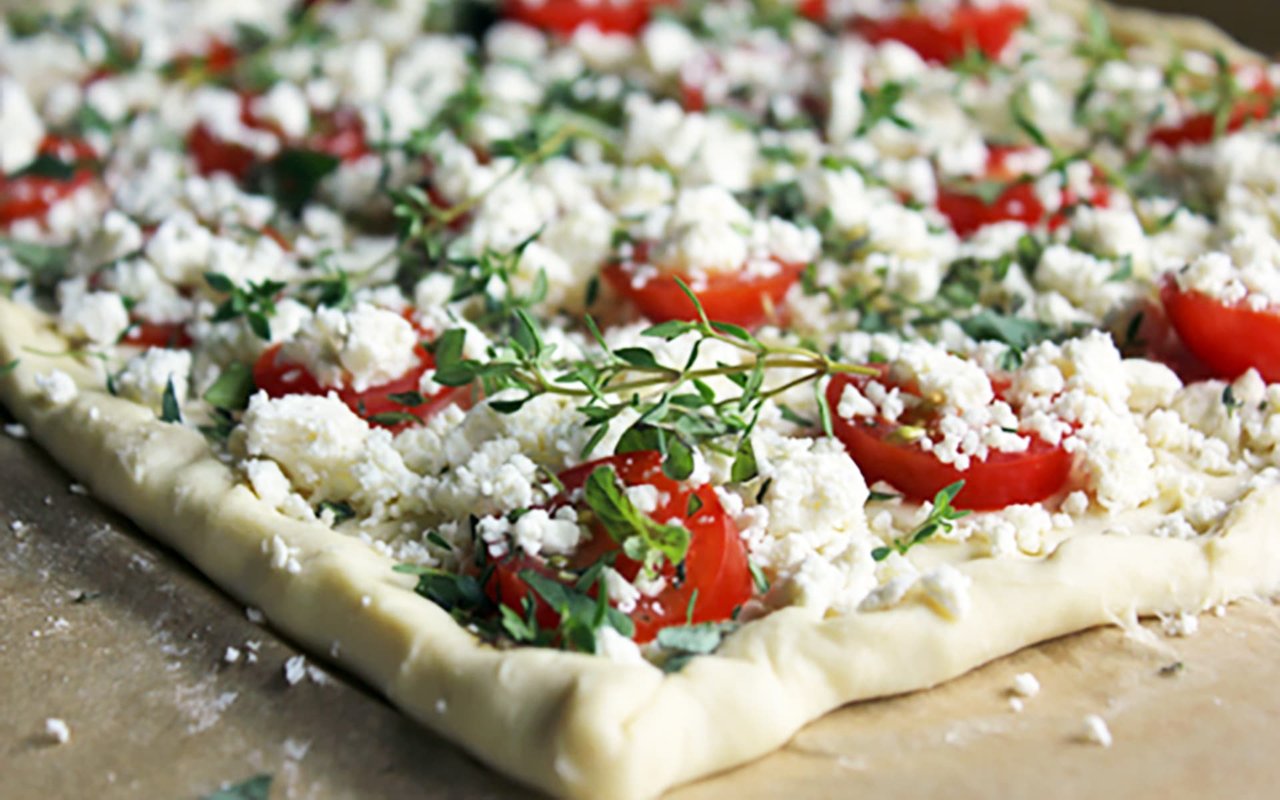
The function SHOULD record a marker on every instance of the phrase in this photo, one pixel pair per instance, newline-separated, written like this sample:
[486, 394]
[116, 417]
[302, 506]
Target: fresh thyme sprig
[677, 408]
[941, 517]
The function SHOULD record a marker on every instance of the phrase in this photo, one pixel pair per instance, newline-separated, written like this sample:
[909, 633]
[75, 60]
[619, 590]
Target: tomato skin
[1228, 339]
[943, 41]
[213, 155]
[280, 378]
[170, 335]
[1003, 479]
[815, 10]
[969, 213]
[729, 297]
[31, 196]
[715, 566]
[563, 17]
[1202, 128]
[339, 133]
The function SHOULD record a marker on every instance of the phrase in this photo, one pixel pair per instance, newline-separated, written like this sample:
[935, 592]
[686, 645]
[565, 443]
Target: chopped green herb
[232, 389]
[941, 517]
[688, 641]
[341, 511]
[758, 577]
[169, 409]
[642, 538]
[256, 788]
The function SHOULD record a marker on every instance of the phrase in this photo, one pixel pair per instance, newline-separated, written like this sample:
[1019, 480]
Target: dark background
[1254, 22]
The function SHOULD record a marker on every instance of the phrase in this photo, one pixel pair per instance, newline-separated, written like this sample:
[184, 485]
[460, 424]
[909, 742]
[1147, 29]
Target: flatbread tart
[619, 386]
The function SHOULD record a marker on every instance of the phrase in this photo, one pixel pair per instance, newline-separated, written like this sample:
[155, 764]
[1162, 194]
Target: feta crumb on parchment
[295, 669]
[57, 730]
[1183, 623]
[1025, 685]
[1096, 731]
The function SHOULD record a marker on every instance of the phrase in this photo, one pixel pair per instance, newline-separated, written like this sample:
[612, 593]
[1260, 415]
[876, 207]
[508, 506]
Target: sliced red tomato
[1018, 202]
[172, 335]
[566, 16]
[1228, 339]
[279, 378]
[732, 297]
[213, 155]
[339, 133]
[815, 10]
[1201, 128]
[1002, 479]
[217, 58]
[946, 39]
[31, 196]
[715, 566]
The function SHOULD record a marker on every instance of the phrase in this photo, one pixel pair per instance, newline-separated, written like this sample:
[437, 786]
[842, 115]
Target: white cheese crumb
[146, 378]
[295, 669]
[947, 590]
[295, 750]
[57, 387]
[255, 616]
[1181, 624]
[1016, 705]
[1026, 685]
[78, 488]
[57, 730]
[232, 655]
[16, 430]
[21, 130]
[1096, 731]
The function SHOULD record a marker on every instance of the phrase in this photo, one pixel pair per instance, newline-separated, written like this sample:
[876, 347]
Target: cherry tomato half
[31, 196]
[943, 40]
[172, 335]
[715, 566]
[1202, 128]
[1018, 202]
[1002, 479]
[339, 133]
[566, 16]
[732, 297]
[1228, 339]
[279, 378]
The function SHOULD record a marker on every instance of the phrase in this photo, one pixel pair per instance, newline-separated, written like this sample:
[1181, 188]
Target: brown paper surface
[114, 635]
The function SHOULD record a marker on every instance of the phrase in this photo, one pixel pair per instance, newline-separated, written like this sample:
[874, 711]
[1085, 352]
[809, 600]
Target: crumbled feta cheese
[295, 669]
[1182, 623]
[1025, 685]
[1096, 731]
[947, 590]
[57, 387]
[21, 130]
[57, 730]
[147, 377]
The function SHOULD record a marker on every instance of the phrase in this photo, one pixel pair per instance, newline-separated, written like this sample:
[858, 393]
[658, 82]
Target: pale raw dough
[577, 725]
